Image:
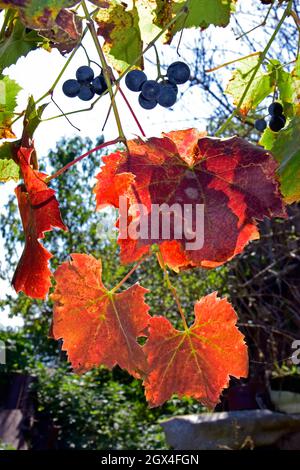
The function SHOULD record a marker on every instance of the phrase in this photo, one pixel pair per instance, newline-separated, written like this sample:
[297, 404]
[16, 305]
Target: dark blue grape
[71, 88]
[84, 74]
[151, 90]
[135, 79]
[86, 93]
[104, 84]
[277, 123]
[178, 72]
[167, 96]
[99, 85]
[260, 124]
[146, 104]
[172, 84]
[275, 109]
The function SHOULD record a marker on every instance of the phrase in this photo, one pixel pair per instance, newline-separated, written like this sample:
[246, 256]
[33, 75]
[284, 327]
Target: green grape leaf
[285, 146]
[32, 119]
[19, 43]
[201, 14]
[9, 170]
[147, 15]
[120, 30]
[287, 85]
[9, 90]
[296, 85]
[260, 88]
[286, 91]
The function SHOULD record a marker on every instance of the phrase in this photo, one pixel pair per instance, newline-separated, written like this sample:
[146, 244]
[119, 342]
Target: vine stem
[63, 114]
[86, 154]
[132, 112]
[172, 289]
[231, 62]
[106, 69]
[127, 276]
[255, 70]
[82, 110]
[297, 23]
[263, 23]
[159, 74]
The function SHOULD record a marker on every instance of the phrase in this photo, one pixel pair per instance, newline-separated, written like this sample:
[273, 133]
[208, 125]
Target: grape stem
[255, 70]
[63, 114]
[159, 74]
[132, 112]
[81, 157]
[82, 110]
[105, 68]
[231, 62]
[263, 23]
[182, 29]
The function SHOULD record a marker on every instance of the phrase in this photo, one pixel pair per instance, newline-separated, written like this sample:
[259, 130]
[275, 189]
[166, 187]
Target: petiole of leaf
[86, 154]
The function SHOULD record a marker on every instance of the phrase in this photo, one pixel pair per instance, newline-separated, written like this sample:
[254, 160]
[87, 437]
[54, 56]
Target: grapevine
[239, 183]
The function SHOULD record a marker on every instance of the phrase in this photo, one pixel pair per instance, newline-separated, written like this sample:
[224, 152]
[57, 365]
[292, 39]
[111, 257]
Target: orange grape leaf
[39, 213]
[197, 362]
[98, 327]
[233, 179]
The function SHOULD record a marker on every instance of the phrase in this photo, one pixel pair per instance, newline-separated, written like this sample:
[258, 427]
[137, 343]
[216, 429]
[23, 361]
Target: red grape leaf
[111, 184]
[196, 362]
[98, 327]
[235, 180]
[67, 21]
[39, 213]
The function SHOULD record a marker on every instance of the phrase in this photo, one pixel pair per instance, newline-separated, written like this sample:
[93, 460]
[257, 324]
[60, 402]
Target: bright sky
[38, 70]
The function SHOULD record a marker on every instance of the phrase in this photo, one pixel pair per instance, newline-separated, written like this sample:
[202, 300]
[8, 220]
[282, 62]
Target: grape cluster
[86, 84]
[277, 121]
[163, 92]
